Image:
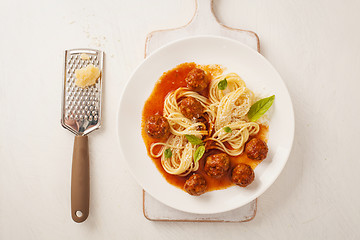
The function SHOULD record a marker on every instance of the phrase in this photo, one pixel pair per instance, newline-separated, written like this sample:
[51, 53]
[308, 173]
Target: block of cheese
[86, 76]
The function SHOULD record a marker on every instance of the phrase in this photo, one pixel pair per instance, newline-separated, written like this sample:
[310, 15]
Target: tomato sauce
[168, 82]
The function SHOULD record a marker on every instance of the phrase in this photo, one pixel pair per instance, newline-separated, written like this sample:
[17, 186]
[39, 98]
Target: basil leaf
[199, 153]
[222, 84]
[168, 153]
[260, 107]
[194, 140]
[227, 129]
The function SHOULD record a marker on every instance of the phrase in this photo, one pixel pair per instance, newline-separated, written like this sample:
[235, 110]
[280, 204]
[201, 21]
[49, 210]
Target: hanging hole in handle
[79, 214]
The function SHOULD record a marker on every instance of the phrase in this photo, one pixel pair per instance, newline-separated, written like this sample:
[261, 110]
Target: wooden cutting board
[204, 22]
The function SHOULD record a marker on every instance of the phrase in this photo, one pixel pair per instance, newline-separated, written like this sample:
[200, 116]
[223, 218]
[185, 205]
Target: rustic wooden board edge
[201, 220]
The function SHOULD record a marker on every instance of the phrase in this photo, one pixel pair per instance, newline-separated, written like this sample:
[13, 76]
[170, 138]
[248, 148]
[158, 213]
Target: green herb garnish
[259, 108]
[168, 153]
[194, 140]
[227, 129]
[199, 153]
[222, 84]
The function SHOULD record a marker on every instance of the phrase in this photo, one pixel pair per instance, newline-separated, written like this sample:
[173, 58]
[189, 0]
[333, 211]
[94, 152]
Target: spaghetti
[231, 106]
[222, 109]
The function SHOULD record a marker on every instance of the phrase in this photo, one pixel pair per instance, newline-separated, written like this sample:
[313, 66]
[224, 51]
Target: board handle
[80, 180]
[204, 13]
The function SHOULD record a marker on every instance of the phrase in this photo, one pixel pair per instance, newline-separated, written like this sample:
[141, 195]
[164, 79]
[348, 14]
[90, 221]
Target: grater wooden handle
[80, 180]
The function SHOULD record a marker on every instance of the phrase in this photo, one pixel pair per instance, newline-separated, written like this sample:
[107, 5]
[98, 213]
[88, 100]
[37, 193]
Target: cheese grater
[81, 114]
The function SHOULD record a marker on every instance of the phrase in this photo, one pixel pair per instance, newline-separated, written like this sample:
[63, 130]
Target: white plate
[258, 74]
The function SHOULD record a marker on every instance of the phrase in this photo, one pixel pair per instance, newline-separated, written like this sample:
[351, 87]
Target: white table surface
[315, 45]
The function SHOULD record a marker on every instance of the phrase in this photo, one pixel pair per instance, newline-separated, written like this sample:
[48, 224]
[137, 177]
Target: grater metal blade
[81, 107]
[81, 114]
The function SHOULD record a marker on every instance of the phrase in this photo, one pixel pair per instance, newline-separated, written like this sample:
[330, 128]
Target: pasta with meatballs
[198, 132]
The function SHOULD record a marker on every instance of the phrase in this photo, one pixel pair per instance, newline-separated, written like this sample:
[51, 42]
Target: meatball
[242, 175]
[157, 126]
[191, 108]
[256, 149]
[196, 80]
[217, 165]
[195, 185]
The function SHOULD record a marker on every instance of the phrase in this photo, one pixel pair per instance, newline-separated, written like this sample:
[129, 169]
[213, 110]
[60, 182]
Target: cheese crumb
[84, 56]
[86, 76]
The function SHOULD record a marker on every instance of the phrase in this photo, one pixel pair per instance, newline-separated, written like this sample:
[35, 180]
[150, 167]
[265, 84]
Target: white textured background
[315, 45]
